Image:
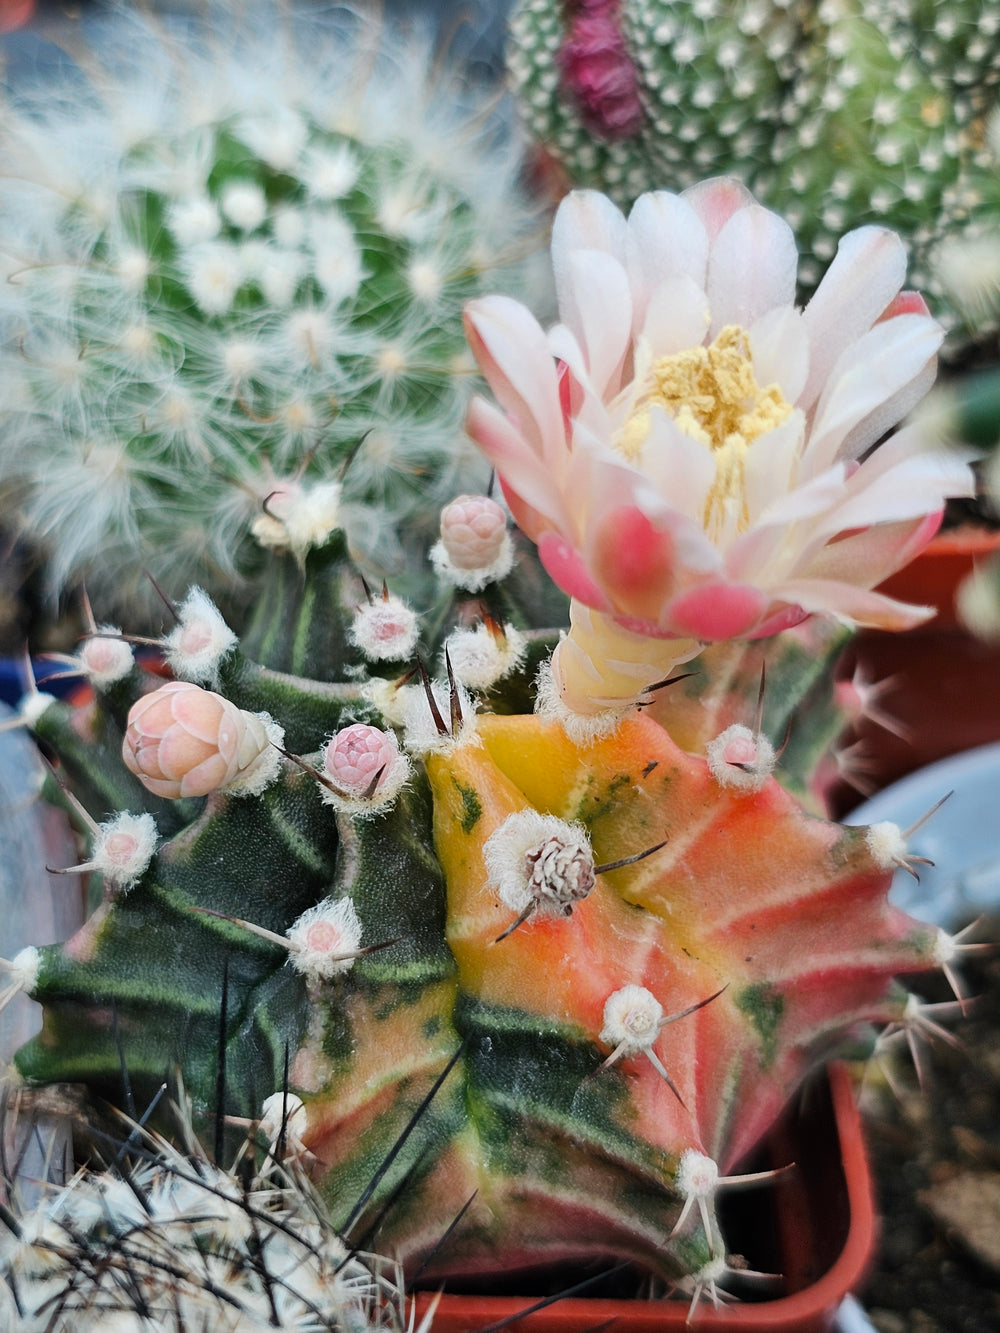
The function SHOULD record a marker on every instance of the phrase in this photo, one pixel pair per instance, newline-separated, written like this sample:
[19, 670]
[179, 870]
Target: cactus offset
[565, 961]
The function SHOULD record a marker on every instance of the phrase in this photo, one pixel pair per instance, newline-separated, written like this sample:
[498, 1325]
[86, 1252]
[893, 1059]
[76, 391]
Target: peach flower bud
[357, 757]
[474, 548]
[182, 740]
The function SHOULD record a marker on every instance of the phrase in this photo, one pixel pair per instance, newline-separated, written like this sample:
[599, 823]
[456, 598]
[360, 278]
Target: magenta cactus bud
[182, 740]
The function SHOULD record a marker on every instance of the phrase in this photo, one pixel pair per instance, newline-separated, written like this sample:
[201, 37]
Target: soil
[936, 1158]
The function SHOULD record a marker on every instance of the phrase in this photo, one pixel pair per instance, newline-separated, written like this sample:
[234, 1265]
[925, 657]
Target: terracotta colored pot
[943, 693]
[815, 1225]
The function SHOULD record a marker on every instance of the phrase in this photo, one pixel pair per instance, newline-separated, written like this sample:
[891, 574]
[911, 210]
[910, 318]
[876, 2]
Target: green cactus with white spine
[537, 989]
[361, 935]
[834, 115]
[256, 280]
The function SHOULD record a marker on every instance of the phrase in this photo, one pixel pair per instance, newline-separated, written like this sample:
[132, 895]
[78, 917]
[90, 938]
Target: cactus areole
[533, 989]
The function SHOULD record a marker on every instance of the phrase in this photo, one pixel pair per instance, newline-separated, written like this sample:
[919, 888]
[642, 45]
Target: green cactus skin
[451, 1061]
[835, 115]
[254, 279]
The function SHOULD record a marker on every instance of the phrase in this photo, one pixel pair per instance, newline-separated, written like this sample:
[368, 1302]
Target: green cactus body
[476, 1064]
[836, 115]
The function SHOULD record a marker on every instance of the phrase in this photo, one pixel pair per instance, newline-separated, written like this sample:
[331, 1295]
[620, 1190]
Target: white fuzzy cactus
[243, 259]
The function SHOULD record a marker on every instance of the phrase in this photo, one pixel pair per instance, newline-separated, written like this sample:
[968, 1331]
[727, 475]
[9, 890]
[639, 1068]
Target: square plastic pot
[815, 1225]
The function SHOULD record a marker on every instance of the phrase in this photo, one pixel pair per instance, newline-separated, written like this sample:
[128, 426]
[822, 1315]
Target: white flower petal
[514, 357]
[676, 466]
[770, 465]
[752, 268]
[666, 239]
[585, 220]
[867, 374]
[867, 272]
[716, 200]
[677, 316]
[597, 307]
[779, 345]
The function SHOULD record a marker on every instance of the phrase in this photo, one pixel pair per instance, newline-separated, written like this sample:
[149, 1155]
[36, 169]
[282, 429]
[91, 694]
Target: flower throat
[713, 396]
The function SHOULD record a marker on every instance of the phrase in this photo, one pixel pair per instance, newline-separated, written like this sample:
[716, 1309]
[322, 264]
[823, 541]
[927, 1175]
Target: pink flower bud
[740, 759]
[185, 741]
[354, 758]
[473, 529]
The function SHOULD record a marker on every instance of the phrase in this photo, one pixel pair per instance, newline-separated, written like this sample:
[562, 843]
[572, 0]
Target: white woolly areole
[105, 657]
[33, 705]
[283, 1111]
[259, 773]
[582, 728]
[385, 629]
[199, 641]
[23, 969]
[244, 205]
[633, 1017]
[697, 1174]
[124, 847]
[473, 580]
[299, 518]
[479, 657]
[322, 936]
[886, 844]
[539, 858]
[420, 731]
[740, 760]
[351, 759]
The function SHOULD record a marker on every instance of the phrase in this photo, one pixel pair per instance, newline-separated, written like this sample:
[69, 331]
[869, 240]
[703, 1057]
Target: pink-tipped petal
[906, 303]
[633, 560]
[716, 200]
[855, 606]
[513, 355]
[565, 567]
[715, 611]
[519, 467]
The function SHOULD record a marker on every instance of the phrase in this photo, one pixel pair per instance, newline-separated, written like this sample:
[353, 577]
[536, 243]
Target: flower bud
[740, 760]
[366, 766]
[474, 548]
[182, 740]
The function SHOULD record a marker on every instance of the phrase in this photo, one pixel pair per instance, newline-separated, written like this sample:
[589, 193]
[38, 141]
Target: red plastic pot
[815, 1225]
[943, 679]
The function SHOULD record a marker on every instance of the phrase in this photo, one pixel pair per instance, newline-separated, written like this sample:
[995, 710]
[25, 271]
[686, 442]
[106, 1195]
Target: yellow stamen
[713, 396]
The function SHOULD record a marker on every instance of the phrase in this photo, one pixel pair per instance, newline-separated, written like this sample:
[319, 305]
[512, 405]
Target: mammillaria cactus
[541, 979]
[255, 282]
[835, 114]
[165, 1238]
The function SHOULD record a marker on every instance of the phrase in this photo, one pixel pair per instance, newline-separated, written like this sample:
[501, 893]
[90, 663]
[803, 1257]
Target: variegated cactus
[572, 962]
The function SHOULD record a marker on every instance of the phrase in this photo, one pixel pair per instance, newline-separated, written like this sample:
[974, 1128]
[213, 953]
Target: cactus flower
[182, 740]
[692, 453]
